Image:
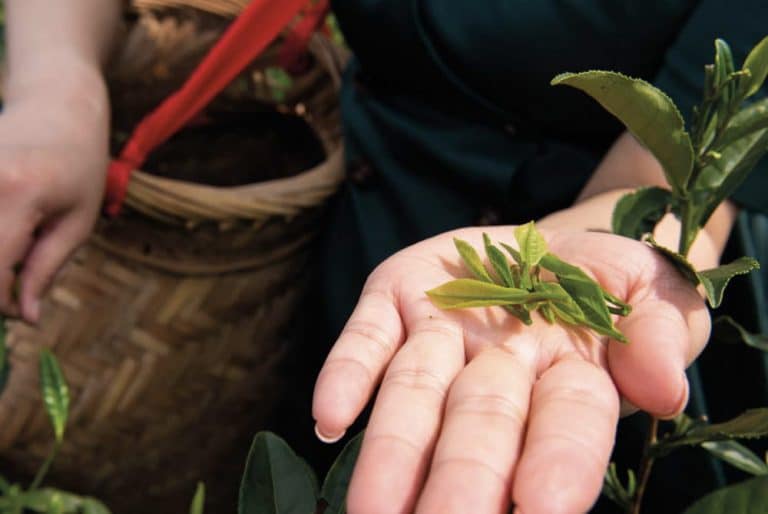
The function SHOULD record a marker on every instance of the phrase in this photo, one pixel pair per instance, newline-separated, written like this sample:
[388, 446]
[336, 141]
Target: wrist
[62, 79]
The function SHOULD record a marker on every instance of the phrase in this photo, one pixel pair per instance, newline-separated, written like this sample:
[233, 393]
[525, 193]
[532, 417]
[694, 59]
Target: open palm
[475, 410]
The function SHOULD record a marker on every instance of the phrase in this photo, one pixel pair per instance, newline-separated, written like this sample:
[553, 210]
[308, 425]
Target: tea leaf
[532, 244]
[275, 480]
[55, 392]
[749, 497]
[723, 69]
[637, 213]
[715, 280]
[4, 363]
[587, 294]
[514, 253]
[337, 481]
[758, 341]
[747, 121]
[467, 292]
[733, 167]
[677, 260]
[44, 500]
[198, 501]
[472, 260]
[649, 114]
[757, 64]
[615, 490]
[547, 313]
[749, 425]
[499, 263]
[737, 455]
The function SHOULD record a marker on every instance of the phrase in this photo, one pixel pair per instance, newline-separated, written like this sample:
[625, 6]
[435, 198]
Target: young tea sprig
[574, 298]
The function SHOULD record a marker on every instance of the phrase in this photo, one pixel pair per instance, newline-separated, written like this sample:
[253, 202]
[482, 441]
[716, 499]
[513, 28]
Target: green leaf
[649, 114]
[532, 244]
[636, 214]
[275, 480]
[55, 392]
[615, 490]
[467, 292]
[514, 253]
[757, 64]
[587, 294]
[724, 67]
[198, 501]
[50, 500]
[747, 121]
[749, 497]
[499, 262]
[737, 455]
[715, 280]
[749, 425]
[472, 260]
[337, 481]
[677, 260]
[92, 506]
[735, 165]
[4, 362]
[723, 326]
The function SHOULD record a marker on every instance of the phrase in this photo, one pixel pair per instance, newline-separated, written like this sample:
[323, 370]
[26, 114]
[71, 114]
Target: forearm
[626, 167]
[58, 47]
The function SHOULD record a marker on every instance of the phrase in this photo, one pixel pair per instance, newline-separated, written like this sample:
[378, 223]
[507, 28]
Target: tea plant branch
[702, 170]
[646, 465]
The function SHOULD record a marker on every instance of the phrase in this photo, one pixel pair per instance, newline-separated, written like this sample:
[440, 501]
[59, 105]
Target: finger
[406, 418]
[48, 253]
[665, 335]
[481, 436]
[572, 424]
[356, 362]
[14, 242]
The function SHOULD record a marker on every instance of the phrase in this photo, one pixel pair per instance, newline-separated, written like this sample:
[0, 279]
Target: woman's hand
[53, 162]
[54, 132]
[475, 410]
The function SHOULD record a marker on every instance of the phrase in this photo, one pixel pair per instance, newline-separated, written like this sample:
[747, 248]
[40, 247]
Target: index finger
[357, 361]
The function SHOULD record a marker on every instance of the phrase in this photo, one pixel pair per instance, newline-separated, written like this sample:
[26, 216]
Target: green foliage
[275, 480]
[614, 489]
[649, 114]
[334, 491]
[576, 299]
[55, 393]
[737, 455]
[49, 501]
[750, 497]
[728, 330]
[749, 425]
[636, 214]
[198, 501]
[715, 280]
[757, 65]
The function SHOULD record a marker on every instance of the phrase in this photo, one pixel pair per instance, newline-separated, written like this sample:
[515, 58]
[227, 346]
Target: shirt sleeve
[742, 24]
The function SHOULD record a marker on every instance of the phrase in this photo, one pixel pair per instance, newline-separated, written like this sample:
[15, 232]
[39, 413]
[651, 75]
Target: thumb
[667, 329]
[48, 253]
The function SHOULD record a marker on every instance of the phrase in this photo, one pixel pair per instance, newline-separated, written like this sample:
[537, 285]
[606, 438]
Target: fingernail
[328, 439]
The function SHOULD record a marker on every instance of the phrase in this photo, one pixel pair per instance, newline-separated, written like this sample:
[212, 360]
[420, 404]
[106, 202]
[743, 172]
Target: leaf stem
[645, 466]
[43, 471]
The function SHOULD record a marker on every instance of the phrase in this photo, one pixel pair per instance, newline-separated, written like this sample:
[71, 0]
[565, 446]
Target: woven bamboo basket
[171, 322]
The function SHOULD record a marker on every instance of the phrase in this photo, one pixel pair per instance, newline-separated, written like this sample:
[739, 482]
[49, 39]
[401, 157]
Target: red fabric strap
[256, 27]
[293, 50]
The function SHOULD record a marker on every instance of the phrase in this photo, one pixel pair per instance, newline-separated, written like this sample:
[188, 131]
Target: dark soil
[237, 148]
